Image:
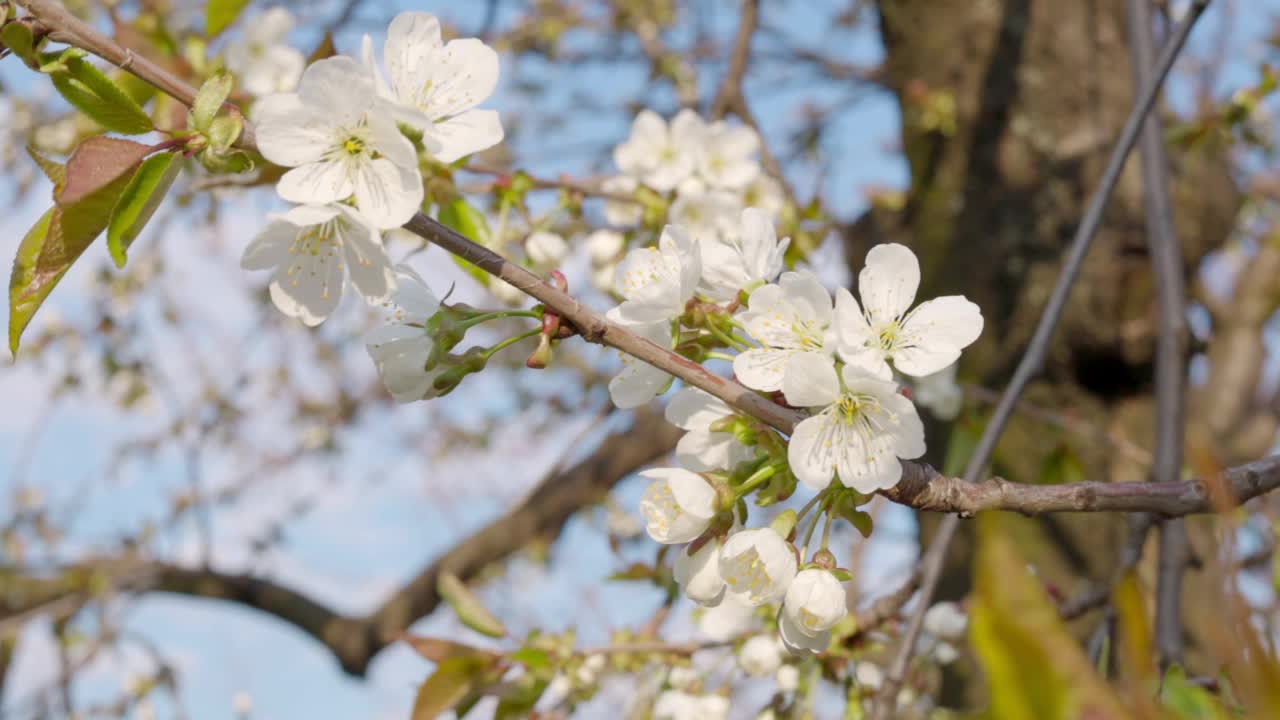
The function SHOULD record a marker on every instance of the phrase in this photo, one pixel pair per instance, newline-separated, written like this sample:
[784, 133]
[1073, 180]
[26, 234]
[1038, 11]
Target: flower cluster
[792, 341]
[353, 139]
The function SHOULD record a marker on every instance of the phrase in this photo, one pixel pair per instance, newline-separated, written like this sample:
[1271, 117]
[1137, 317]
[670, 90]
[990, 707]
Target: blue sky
[363, 538]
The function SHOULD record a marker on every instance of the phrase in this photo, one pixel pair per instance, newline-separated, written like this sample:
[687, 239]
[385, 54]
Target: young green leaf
[144, 193]
[94, 94]
[468, 607]
[437, 650]
[22, 306]
[55, 171]
[209, 101]
[220, 14]
[460, 216]
[224, 131]
[18, 38]
[453, 680]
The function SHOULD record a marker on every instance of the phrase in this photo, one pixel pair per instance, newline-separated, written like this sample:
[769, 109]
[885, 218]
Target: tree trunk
[1009, 110]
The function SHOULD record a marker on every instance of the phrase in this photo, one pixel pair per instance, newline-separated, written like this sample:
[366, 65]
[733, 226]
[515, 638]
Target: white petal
[304, 215]
[867, 464]
[387, 139]
[762, 370]
[811, 452]
[853, 334]
[796, 641]
[412, 39]
[466, 133]
[288, 133]
[316, 183]
[806, 293]
[309, 288]
[387, 194]
[703, 451]
[889, 281]
[371, 65]
[270, 247]
[638, 153]
[694, 409]
[457, 77]
[338, 86]
[413, 295]
[810, 380]
[934, 334]
[699, 575]
[367, 262]
[909, 432]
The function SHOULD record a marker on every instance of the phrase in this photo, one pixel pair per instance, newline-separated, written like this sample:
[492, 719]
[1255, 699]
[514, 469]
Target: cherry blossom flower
[946, 620]
[748, 257]
[787, 677]
[313, 249]
[790, 319]
[546, 248]
[728, 155]
[678, 506]
[920, 342]
[680, 705]
[757, 565]
[860, 430]
[659, 155]
[639, 382]
[338, 144]
[434, 86]
[401, 349]
[707, 214]
[702, 449]
[939, 393]
[604, 246]
[732, 617]
[699, 574]
[814, 603]
[263, 60]
[621, 213]
[760, 655]
[657, 282]
[764, 193]
[869, 675]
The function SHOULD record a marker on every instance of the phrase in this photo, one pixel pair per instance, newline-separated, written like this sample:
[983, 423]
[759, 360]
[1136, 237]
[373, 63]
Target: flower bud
[945, 620]
[699, 574]
[760, 655]
[604, 246]
[678, 506]
[815, 602]
[545, 248]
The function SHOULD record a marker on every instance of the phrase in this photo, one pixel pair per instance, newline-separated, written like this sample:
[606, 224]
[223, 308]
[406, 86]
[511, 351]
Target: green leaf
[532, 658]
[449, 685]
[437, 650]
[144, 193]
[224, 132]
[94, 94]
[22, 308]
[1186, 700]
[96, 164]
[220, 14]
[468, 607]
[1035, 669]
[469, 221]
[17, 36]
[209, 101]
[55, 171]
[519, 698]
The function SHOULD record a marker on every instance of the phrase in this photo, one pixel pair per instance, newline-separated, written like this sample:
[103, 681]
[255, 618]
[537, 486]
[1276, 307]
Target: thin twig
[1032, 362]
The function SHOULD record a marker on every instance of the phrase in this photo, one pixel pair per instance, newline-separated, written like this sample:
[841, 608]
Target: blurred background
[200, 498]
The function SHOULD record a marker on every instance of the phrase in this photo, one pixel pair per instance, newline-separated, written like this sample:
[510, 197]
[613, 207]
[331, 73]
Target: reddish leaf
[437, 650]
[97, 163]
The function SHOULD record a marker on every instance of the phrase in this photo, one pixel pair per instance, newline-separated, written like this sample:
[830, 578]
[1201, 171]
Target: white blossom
[764, 193]
[790, 319]
[505, 292]
[264, 61]
[706, 214]
[920, 341]
[435, 86]
[797, 641]
[681, 677]
[604, 246]
[728, 155]
[748, 257]
[815, 601]
[400, 349]
[760, 655]
[699, 574]
[605, 277]
[945, 653]
[732, 617]
[589, 671]
[787, 677]
[946, 620]
[639, 382]
[313, 250]
[678, 506]
[862, 427]
[659, 155]
[546, 248]
[339, 144]
[701, 449]
[617, 212]
[680, 705]
[939, 393]
[757, 565]
[657, 282]
[868, 674]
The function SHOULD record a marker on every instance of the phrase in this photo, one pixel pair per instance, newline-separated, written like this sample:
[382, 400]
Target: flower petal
[412, 39]
[762, 369]
[339, 87]
[934, 334]
[457, 77]
[270, 247]
[811, 452]
[367, 262]
[388, 195]
[316, 183]
[310, 287]
[289, 134]
[466, 133]
[889, 281]
[387, 139]
[694, 409]
[867, 464]
[810, 380]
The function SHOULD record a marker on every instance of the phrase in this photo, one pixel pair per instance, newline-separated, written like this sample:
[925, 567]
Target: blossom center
[887, 335]
[748, 573]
